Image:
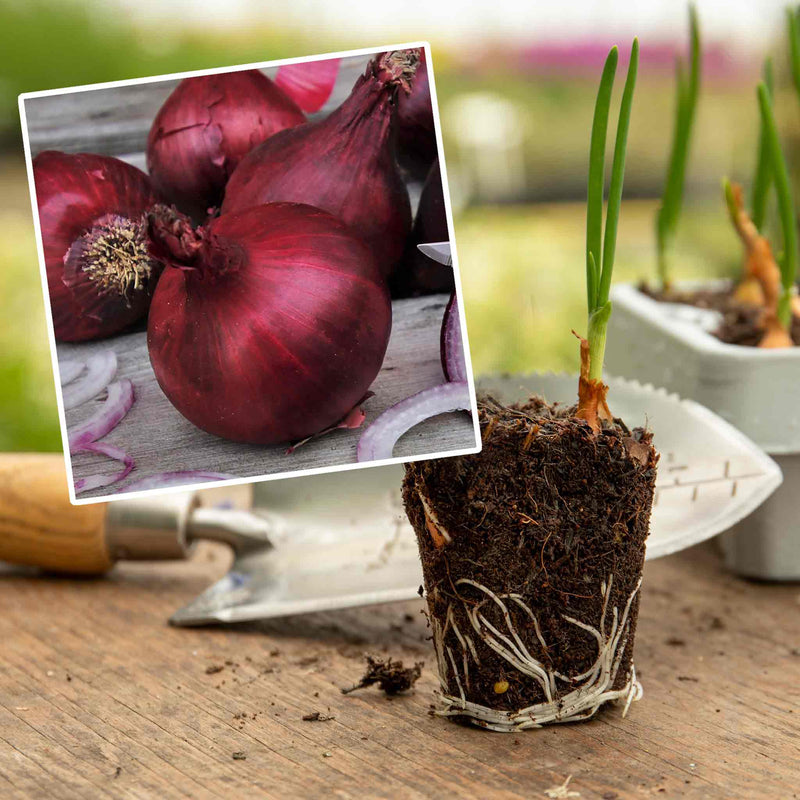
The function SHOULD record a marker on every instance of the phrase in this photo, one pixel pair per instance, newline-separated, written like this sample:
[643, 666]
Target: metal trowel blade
[339, 540]
[342, 539]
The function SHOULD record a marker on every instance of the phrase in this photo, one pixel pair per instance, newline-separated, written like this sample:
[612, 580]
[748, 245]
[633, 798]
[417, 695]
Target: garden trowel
[340, 540]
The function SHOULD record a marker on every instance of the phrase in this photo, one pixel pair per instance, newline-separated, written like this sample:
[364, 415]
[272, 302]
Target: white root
[592, 688]
[561, 791]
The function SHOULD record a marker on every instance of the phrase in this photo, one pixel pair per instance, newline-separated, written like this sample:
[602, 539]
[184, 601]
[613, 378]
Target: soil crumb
[391, 676]
[318, 716]
[214, 669]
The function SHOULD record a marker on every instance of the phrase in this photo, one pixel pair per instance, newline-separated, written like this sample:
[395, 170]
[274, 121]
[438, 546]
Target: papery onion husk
[344, 164]
[416, 131]
[272, 325]
[205, 128]
[92, 210]
[417, 274]
[309, 84]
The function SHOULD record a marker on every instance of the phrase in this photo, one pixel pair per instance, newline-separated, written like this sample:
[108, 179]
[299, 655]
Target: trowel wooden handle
[38, 524]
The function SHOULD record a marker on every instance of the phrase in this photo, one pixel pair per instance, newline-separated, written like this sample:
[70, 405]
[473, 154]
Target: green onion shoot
[788, 263]
[793, 19]
[763, 175]
[688, 87]
[600, 244]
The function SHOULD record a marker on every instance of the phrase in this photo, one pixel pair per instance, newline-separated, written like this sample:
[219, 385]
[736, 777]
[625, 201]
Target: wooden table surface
[160, 439]
[100, 698]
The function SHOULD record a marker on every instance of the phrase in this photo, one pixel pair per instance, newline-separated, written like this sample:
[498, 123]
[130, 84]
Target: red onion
[164, 480]
[352, 420]
[454, 362]
[310, 84]
[117, 405]
[344, 164]
[416, 132]
[273, 324]
[378, 441]
[69, 371]
[418, 274]
[91, 212]
[204, 129]
[100, 371]
[98, 481]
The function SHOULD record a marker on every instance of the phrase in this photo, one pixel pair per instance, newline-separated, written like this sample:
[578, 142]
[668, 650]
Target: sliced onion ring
[162, 480]
[98, 481]
[309, 84]
[105, 419]
[100, 371]
[378, 440]
[452, 348]
[69, 370]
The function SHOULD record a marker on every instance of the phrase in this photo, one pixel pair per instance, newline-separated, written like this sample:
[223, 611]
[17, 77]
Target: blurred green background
[516, 104]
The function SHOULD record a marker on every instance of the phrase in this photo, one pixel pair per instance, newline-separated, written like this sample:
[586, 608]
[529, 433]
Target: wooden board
[99, 698]
[161, 440]
[117, 120]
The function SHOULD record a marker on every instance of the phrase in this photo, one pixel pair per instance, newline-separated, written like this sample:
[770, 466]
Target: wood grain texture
[38, 523]
[161, 440]
[112, 121]
[100, 698]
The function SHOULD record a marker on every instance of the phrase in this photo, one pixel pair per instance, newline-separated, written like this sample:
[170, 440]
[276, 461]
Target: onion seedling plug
[532, 550]
[685, 107]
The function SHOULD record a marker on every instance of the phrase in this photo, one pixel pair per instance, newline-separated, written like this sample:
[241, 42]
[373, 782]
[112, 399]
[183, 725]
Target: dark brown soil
[714, 299]
[547, 510]
[317, 716]
[740, 323]
[391, 676]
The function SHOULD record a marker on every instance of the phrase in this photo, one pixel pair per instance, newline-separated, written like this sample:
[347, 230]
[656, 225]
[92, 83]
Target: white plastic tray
[669, 345]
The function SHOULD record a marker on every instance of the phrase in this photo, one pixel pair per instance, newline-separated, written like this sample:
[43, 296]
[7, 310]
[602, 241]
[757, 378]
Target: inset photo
[250, 272]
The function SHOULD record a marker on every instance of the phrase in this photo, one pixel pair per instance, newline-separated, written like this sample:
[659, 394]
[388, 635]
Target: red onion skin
[309, 84]
[344, 164]
[273, 326]
[418, 274]
[451, 345]
[416, 131]
[205, 128]
[73, 192]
